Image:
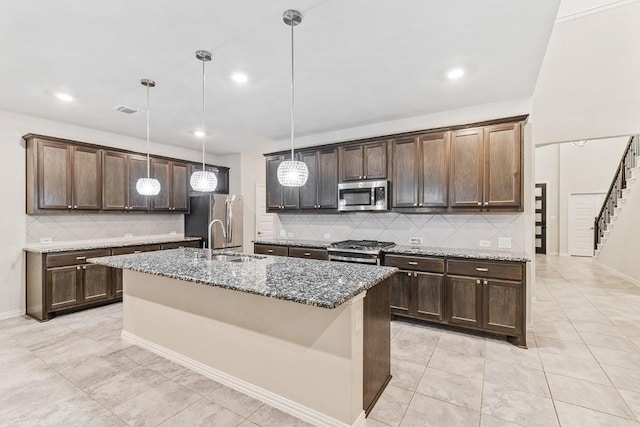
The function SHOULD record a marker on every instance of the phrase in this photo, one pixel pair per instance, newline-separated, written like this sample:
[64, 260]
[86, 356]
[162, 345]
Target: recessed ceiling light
[199, 133]
[455, 73]
[239, 77]
[65, 97]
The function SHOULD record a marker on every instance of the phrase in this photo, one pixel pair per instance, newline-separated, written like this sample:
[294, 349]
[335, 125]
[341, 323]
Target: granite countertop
[323, 284]
[459, 253]
[107, 243]
[318, 244]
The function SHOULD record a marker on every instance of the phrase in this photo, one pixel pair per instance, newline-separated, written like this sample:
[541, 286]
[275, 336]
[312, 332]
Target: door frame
[543, 223]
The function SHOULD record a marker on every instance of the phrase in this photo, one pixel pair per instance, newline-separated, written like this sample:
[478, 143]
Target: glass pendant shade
[204, 181]
[292, 173]
[148, 186]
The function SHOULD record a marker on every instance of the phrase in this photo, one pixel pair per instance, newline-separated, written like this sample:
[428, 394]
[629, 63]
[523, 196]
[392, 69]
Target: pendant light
[148, 186]
[204, 181]
[292, 173]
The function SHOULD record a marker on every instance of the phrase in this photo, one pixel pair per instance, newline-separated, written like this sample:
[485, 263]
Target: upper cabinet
[66, 176]
[63, 176]
[363, 161]
[486, 168]
[278, 196]
[321, 188]
[173, 194]
[419, 171]
[120, 174]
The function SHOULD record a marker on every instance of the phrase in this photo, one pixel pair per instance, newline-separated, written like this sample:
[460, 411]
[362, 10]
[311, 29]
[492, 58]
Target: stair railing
[618, 184]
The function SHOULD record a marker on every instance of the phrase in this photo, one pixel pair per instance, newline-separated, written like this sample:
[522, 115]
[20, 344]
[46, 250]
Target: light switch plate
[485, 243]
[415, 240]
[327, 235]
[283, 233]
[46, 240]
[128, 236]
[504, 242]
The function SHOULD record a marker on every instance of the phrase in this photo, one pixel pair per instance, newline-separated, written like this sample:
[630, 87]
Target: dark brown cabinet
[405, 169]
[308, 253]
[270, 250]
[278, 196]
[63, 176]
[173, 196]
[363, 161]
[116, 289]
[321, 189]
[476, 294]
[120, 174]
[222, 174]
[486, 168]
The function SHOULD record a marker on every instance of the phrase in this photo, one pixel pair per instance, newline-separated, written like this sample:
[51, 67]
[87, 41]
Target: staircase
[619, 192]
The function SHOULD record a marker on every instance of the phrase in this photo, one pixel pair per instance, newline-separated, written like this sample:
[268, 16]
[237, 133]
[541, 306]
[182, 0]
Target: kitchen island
[308, 337]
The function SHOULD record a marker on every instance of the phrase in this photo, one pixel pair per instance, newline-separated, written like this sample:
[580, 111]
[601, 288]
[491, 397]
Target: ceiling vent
[127, 110]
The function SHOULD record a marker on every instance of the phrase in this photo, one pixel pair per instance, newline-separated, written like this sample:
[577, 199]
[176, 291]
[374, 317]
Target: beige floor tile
[563, 331]
[467, 344]
[576, 416]
[628, 379]
[632, 399]
[516, 377]
[575, 368]
[422, 333]
[196, 382]
[204, 413]
[424, 411]
[564, 348]
[96, 369]
[235, 401]
[458, 363]
[411, 351]
[452, 388]
[406, 374]
[124, 385]
[247, 423]
[156, 405]
[371, 422]
[489, 421]
[518, 407]
[507, 352]
[622, 359]
[588, 395]
[392, 405]
[609, 341]
[166, 367]
[268, 416]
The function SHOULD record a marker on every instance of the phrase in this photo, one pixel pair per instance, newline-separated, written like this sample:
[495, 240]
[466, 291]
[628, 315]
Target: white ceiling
[357, 62]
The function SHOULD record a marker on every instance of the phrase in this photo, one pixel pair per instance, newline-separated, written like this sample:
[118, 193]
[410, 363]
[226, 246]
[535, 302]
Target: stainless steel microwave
[363, 196]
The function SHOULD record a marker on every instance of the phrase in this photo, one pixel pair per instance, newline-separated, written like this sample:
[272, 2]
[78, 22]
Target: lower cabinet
[475, 294]
[63, 281]
[308, 253]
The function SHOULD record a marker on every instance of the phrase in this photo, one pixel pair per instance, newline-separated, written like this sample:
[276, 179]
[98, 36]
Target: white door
[264, 220]
[583, 209]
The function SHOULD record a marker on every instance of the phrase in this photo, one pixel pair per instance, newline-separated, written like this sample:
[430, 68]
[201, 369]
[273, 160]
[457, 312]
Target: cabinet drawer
[177, 245]
[434, 265]
[134, 249]
[506, 270]
[308, 253]
[73, 258]
[271, 250]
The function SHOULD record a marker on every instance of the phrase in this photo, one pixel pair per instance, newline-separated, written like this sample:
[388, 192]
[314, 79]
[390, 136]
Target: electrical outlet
[283, 233]
[504, 242]
[485, 243]
[415, 240]
[327, 235]
[289, 234]
[128, 236]
[46, 240]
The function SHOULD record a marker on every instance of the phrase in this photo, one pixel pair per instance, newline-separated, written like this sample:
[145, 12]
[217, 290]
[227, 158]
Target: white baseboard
[12, 313]
[617, 273]
[286, 405]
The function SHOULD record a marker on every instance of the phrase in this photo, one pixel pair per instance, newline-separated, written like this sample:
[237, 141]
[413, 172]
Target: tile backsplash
[66, 228]
[459, 231]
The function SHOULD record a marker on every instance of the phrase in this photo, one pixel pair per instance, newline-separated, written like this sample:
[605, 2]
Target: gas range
[360, 251]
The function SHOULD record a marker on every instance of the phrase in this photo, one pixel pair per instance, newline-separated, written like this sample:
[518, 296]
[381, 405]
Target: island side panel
[312, 356]
[377, 343]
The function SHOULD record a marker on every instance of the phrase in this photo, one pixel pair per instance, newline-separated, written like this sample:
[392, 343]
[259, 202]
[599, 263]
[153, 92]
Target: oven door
[362, 196]
[358, 258]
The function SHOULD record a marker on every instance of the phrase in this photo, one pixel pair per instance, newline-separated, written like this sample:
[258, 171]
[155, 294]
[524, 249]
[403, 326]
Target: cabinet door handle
[485, 282]
[365, 177]
[84, 267]
[415, 204]
[415, 274]
[478, 282]
[75, 207]
[486, 204]
[68, 206]
[409, 274]
[79, 258]
[482, 269]
[318, 206]
[479, 203]
[269, 251]
[420, 204]
[137, 252]
[78, 268]
[412, 263]
[307, 254]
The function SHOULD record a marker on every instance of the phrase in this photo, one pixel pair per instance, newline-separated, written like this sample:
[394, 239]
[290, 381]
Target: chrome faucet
[224, 232]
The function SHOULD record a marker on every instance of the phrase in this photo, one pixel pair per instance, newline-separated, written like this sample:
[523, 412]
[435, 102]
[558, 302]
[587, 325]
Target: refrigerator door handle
[229, 220]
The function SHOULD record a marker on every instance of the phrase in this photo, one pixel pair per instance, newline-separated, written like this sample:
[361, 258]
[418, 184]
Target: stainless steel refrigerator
[207, 207]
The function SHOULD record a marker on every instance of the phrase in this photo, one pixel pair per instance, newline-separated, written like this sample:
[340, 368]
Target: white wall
[588, 85]
[13, 221]
[568, 169]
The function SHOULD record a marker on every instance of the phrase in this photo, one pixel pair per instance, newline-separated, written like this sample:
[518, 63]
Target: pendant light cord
[203, 128]
[148, 157]
[292, 89]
